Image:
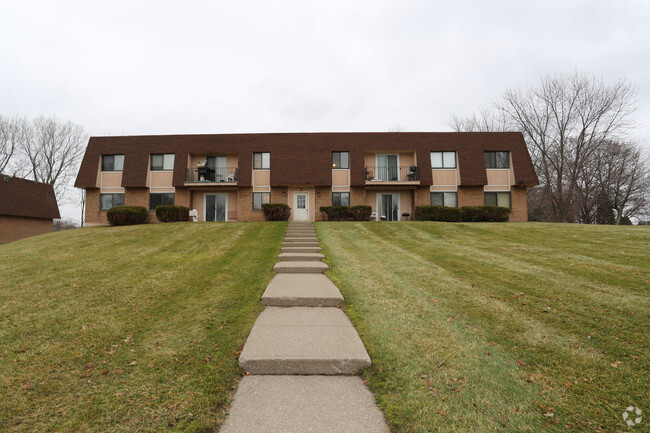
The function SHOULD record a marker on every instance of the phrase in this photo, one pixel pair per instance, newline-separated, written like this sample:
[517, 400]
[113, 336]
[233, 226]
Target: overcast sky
[163, 67]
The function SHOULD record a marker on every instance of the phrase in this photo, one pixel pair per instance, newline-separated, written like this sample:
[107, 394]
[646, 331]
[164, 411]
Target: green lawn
[499, 327]
[129, 328]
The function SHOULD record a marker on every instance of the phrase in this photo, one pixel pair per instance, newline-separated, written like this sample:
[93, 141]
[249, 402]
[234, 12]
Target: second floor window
[443, 159]
[112, 162]
[340, 160]
[261, 161]
[162, 162]
[497, 159]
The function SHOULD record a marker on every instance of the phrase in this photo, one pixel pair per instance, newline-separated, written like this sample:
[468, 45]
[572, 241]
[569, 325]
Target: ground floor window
[260, 198]
[107, 201]
[497, 199]
[449, 199]
[158, 199]
[340, 199]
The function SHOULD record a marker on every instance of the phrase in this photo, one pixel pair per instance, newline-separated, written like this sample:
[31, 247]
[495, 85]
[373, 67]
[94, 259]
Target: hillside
[128, 328]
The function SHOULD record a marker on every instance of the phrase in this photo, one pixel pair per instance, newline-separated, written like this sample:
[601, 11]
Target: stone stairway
[298, 350]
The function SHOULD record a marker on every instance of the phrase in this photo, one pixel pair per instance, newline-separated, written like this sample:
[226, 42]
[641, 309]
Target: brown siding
[305, 159]
[13, 228]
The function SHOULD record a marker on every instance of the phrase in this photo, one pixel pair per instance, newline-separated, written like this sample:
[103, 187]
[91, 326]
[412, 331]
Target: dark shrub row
[465, 213]
[438, 213]
[345, 213]
[276, 211]
[172, 213]
[127, 215]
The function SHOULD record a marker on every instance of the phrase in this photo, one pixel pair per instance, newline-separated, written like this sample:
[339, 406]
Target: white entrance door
[301, 206]
[216, 207]
[388, 206]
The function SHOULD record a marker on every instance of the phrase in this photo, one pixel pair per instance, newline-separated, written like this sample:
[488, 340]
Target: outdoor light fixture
[318, 194]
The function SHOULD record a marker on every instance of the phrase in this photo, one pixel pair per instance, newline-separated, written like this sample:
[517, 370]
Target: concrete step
[293, 234]
[300, 239]
[300, 257]
[301, 290]
[300, 267]
[301, 244]
[325, 404]
[300, 249]
[303, 340]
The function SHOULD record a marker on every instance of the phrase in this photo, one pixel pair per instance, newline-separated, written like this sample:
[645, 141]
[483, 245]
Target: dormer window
[112, 162]
[261, 161]
[162, 162]
[340, 160]
[497, 159]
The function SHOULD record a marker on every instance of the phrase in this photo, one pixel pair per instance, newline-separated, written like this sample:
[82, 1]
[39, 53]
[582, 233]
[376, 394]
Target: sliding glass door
[216, 207]
[388, 206]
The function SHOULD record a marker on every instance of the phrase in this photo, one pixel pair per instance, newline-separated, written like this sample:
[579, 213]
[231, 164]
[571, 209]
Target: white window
[443, 159]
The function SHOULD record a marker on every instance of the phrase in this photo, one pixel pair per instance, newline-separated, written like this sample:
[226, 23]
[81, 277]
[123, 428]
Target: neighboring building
[227, 177]
[27, 208]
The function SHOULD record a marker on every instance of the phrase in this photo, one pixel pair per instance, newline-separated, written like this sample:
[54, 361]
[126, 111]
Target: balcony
[392, 175]
[212, 175]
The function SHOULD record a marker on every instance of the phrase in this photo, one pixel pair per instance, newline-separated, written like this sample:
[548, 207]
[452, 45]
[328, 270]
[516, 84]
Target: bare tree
[50, 150]
[624, 179]
[8, 142]
[564, 120]
[487, 120]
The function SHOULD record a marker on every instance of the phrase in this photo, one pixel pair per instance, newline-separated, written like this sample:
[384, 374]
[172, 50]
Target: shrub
[437, 213]
[172, 213]
[345, 213]
[276, 211]
[127, 215]
[485, 213]
[360, 213]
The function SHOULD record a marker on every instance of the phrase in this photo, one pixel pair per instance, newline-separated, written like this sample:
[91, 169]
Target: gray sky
[162, 67]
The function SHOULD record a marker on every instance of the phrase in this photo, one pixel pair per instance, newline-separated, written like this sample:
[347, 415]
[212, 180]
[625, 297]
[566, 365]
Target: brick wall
[245, 210]
[325, 199]
[470, 196]
[519, 204]
[13, 228]
[422, 197]
[357, 196]
[182, 197]
[93, 215]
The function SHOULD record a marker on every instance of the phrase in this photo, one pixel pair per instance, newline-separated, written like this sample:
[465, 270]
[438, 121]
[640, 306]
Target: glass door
[387, 167]
[218, 164]
[216, 207]
[388, 206]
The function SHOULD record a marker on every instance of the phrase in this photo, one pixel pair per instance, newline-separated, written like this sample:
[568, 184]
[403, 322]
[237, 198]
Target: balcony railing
[212, 175]
[392, 174]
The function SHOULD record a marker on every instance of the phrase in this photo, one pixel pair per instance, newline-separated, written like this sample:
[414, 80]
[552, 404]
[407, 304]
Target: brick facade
[519, 204]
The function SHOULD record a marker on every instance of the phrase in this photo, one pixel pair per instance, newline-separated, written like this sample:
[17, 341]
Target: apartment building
[227, 177]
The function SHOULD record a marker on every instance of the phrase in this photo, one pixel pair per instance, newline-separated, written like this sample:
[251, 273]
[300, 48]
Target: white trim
[162, 188]
[205, 207]
[455, 187]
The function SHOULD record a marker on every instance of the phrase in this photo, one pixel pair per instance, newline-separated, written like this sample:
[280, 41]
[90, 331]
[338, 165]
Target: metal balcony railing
[208, 174]
[392, 173]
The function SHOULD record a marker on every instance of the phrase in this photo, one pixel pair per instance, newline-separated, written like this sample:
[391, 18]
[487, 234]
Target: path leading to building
[302, 354]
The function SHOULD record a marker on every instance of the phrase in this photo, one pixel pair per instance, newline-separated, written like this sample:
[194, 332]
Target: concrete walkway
[298, 352]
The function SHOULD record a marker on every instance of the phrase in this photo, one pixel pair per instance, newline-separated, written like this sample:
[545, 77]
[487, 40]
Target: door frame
[205, 206]
[295, 204]
[399, 204]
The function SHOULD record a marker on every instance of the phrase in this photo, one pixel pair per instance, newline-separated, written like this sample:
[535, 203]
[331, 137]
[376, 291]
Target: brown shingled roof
[305, 158]
[26, 198]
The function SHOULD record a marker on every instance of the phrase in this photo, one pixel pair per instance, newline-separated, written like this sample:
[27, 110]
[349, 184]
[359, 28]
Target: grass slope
[129, 328]
[498, 327]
